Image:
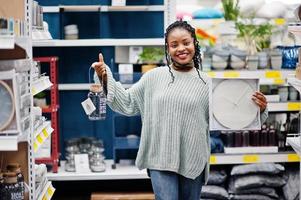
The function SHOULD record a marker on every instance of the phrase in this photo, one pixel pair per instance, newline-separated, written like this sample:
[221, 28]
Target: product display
[7, 111]
[231, 104]
[91, 146]
[98, 99]
[16, 168]
[11, 189]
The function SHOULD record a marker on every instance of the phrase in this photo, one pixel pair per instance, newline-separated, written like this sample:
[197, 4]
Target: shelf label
[50, 191]
[45, 133]
[213, 160]
[81, 163]
[293, 158]
[35, 146]
[279, 81]
[231, 74]
[291, 106]
[34, 91]
[273, 74]
[211, 74]
[40, 139]
[250, 158]
[279, 21]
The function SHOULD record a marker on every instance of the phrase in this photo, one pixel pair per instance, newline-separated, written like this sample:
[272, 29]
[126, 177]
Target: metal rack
[53, 111]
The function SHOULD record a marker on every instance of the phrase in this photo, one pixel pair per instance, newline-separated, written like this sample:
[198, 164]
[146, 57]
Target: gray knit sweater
[175, 135]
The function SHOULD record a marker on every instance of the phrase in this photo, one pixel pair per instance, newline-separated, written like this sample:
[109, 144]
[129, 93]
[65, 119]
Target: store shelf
[8, 143]
[8, 42]
[247, 150]
[296, 83]
[218, 159]
[81, 86]
[41, 135]
[132, 8]
[100, 42]
[123, 172]
[295, 143]
[284, 106]
[50, 109]
[41, 84]
[96, 8]
[267, 77]
[126, 143]
[47, 192]
[120, 173]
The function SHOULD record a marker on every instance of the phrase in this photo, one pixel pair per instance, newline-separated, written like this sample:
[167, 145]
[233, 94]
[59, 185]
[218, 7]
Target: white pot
[252, 62]
[276, 62]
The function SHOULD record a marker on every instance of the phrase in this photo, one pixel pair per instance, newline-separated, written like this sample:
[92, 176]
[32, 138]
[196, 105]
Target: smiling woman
[173, 102]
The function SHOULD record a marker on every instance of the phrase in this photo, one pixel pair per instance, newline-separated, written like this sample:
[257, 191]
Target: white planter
[252, 62]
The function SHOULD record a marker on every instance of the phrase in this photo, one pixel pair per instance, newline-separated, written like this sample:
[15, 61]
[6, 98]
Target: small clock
[7, 108]
[232, 104]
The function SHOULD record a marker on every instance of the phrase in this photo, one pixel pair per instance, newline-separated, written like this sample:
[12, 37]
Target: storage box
[123, 196]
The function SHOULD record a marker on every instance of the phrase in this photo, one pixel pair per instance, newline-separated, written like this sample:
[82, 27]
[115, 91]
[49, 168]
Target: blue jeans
[172, 186]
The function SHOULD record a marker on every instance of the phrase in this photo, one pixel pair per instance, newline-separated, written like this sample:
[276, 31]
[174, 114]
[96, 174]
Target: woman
[173, 103]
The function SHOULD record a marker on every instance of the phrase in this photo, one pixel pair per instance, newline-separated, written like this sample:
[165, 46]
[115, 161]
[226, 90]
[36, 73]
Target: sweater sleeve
[264, 115]
[125, 101]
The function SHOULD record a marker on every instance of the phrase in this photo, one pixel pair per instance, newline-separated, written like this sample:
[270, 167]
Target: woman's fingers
[260, 100]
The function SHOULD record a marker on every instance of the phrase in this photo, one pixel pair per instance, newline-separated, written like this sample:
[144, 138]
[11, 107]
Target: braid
[197, 56]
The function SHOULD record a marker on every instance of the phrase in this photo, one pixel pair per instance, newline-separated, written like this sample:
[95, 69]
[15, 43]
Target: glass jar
[96, 159]
[11, 189]
[72, 148]
[1, 186]
[16, 168]
[98, 98]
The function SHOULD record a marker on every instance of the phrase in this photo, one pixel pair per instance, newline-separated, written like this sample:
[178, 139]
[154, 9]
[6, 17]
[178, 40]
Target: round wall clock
[233, 106]
[7, 108]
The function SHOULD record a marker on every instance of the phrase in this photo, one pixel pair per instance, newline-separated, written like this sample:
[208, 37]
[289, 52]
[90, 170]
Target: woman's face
[180, 46]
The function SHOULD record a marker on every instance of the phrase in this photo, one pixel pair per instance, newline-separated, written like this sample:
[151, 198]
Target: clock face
[7, 108]
[233, 106]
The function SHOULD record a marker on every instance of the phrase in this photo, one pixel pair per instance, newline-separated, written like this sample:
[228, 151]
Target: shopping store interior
[58, 138]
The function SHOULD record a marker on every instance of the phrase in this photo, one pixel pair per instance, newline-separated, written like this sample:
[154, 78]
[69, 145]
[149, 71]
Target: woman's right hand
[100, 69]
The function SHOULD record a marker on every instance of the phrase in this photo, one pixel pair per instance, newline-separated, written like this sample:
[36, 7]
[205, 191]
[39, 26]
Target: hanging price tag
[88, 106]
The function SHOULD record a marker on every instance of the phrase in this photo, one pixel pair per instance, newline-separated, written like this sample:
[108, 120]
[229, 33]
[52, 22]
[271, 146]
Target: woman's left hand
[260, 100]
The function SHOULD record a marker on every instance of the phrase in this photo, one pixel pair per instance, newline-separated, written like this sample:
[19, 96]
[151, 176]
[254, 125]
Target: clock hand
[242, 94]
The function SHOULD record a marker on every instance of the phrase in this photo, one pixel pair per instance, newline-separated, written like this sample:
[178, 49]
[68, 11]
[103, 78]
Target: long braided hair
[197, 60]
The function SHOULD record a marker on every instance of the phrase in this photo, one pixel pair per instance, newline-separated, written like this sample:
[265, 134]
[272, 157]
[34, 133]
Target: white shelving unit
[19, 147]
[47, 192]
[124, 172]
[40, 85]
[99, 42]
[296, 142]
[41, 135]
[96, 8]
